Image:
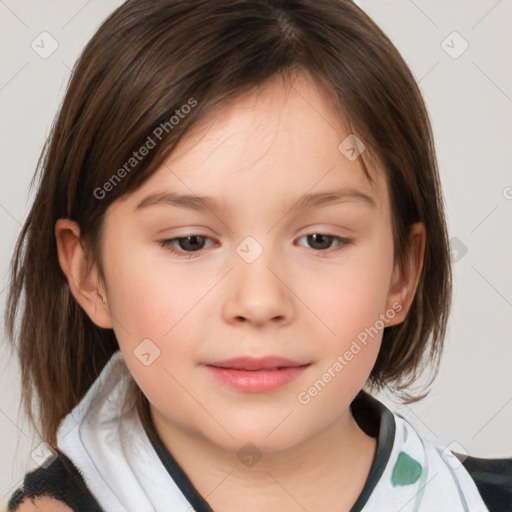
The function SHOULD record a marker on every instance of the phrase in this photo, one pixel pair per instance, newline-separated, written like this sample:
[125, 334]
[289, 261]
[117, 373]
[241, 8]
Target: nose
[258, 293]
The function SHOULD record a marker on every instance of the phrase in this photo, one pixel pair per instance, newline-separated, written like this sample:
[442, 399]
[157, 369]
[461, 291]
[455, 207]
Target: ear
[86, 287]
[404, 281]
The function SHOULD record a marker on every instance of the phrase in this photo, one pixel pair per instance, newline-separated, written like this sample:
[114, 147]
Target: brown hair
[146, 61]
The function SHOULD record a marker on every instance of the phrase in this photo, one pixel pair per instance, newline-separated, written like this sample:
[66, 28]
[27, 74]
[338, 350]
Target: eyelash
[168, 244]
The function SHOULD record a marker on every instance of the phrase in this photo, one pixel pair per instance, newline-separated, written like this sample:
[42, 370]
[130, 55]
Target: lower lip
[258, 381]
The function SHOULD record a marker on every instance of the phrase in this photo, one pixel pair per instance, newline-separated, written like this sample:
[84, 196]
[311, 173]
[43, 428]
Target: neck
[325, 471]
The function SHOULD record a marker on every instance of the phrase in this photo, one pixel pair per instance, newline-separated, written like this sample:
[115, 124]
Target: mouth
[256, 375]
[250, 363]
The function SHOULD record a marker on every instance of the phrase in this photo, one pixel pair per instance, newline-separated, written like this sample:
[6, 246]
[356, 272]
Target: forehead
[283, 139]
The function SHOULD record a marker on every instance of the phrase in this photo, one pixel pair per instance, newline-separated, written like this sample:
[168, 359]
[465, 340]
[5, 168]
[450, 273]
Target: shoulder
[493, 479]
[59, 487]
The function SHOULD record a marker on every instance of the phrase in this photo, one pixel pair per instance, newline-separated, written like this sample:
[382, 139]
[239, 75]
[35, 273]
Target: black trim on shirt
[371, 416]
[63, 481]
[376, 420]
[493, 479]
[176, 472]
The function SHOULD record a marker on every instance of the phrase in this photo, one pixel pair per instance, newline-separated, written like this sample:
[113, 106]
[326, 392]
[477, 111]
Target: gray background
[469, 96]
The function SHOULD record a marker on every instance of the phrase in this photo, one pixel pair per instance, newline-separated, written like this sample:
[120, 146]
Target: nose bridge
[253, 266]
[256, 293]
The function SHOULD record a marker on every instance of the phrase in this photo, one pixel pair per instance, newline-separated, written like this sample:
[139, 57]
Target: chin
[256, 444]
[266, 437]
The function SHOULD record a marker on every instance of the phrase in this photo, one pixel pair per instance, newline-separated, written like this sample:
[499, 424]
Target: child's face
[295, 300]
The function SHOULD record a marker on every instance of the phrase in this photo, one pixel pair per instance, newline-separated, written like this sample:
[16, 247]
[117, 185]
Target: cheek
[149, 295]
[152, 298]
[350, 299]
[155, 314]
[350, 296]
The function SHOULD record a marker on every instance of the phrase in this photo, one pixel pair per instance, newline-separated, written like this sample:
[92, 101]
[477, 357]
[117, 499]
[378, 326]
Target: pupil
[192, 242]
[323, 240]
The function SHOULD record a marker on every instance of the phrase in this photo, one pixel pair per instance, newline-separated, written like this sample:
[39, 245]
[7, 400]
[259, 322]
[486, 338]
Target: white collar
[110, 448]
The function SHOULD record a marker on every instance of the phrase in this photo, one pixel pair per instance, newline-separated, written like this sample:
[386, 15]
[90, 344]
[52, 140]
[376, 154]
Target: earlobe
[404, 281]
[85, 286]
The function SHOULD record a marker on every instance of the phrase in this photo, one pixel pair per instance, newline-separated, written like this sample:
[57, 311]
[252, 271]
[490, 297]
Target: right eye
[184, 246]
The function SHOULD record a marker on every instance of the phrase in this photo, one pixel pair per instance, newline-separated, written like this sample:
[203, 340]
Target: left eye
[324, 242]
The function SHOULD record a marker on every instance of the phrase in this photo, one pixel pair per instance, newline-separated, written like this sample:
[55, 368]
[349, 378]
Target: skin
[296, 300]
[43, 504]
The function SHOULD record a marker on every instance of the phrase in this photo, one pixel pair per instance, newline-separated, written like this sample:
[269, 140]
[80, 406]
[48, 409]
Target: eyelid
[342, 242]
[168, 244]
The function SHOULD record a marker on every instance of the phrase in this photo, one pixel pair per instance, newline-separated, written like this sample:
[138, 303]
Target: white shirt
[124, 472]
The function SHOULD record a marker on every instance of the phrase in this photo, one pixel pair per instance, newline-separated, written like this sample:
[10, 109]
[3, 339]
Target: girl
[238, 234]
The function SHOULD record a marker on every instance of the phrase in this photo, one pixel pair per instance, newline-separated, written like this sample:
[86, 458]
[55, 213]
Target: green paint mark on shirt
[406, 470]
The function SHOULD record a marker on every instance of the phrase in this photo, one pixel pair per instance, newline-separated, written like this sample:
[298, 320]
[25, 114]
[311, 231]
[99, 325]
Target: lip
[256, 363]
[256, 374]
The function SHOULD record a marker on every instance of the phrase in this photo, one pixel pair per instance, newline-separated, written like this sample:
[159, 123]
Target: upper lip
[256, 363]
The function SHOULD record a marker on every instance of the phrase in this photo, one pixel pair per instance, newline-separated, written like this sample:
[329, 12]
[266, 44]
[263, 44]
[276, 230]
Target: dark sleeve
[493, 479]
[61, 480]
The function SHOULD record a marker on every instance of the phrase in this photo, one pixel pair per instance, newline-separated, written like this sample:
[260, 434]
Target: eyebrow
[305, 202]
